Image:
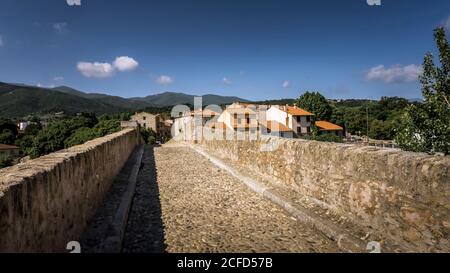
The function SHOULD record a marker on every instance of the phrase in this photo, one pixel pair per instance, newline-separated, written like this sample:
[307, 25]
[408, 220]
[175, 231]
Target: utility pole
[367, 112]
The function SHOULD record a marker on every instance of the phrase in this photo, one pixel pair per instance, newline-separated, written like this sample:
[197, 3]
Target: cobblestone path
[184, 203]
[205, 209]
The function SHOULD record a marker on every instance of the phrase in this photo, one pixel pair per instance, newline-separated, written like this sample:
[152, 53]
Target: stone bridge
[115, 194]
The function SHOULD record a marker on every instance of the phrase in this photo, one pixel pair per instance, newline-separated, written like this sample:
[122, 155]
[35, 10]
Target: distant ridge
[20, 100]
[174, 98]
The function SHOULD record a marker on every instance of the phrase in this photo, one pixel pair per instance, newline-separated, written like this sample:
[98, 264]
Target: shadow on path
[145, 229]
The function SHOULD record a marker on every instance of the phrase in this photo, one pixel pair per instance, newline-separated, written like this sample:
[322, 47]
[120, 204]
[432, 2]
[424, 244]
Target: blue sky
[255, 49]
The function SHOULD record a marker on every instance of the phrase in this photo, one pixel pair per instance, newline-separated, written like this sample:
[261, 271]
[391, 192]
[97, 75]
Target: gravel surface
[205, 209]
[184, 203]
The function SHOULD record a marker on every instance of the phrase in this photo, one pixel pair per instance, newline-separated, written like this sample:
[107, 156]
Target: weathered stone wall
[403, 196]
[46, 202]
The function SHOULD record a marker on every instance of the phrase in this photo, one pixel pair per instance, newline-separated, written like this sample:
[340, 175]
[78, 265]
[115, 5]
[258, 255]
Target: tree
[5, 161]
[80, 136]
[106, 127]
[52, 138]
[148, 135]
[8, 131]
[33, 128]
[327, 137]
[25, 143]
[426, 127]
[7, 137]
[315, 103]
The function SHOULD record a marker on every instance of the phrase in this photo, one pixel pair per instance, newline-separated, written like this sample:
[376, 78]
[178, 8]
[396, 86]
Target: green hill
[19, 101]
[173, 98]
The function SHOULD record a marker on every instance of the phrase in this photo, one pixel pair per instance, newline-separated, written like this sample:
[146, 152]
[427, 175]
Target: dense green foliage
[21, 101]
[148, 135]
[315, 103]
[383, 116]
[5, 161]
[328, 137]
[276, 102]
[52, 137]
[172, 98]
[60, 133]
[8, 131]
[379, 118]
[426, 127]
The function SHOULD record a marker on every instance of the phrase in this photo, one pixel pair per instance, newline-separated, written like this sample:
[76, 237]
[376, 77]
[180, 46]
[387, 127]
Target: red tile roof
[328, 126]
[295, 111]
[275, 126]
[8, 147]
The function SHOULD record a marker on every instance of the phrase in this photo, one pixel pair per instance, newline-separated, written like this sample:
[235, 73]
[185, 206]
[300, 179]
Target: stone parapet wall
[403, 196]
[46, 202]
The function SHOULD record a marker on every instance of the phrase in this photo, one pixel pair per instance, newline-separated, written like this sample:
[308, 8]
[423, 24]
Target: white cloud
[286, 84]
[73, 2]
[58, 79]
[1, 40]
[447, 24]
[394, 74]
[125, 63]
[60, 28]
[95, 70]
[40, 85]
[105, 70]
[164, 80]
[227, 81]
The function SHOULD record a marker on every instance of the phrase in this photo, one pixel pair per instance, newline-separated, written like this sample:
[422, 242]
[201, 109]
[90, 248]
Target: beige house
[283, 121]
[239, 117]
[155, 122]
[274, 128]
[185, 127]
[146, 120]
[292, 117]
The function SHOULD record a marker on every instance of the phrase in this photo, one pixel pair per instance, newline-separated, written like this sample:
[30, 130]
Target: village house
[292, 117]
[185, 126]
[274, 128]
[240, 117]
[22, 126]
[155, 122]
[328, 127]
[259, 120]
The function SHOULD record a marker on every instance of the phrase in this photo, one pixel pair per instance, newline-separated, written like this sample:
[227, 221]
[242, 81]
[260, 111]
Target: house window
[248, 120]
[144, 117]
[298, 119]
[299, 130]
[308, 129]
[308, 119]
[145, 125]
